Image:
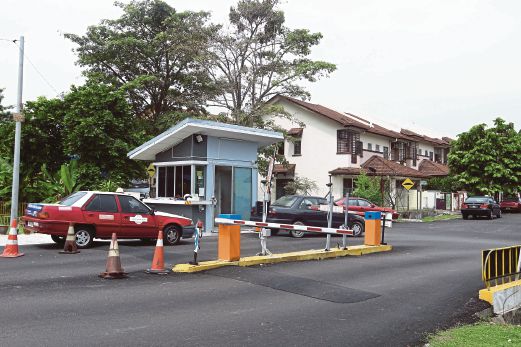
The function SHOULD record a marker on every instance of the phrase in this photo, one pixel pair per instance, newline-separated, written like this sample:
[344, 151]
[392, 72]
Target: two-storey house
[342, 145]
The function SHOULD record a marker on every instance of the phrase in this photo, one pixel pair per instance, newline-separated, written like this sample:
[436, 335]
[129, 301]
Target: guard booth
[205, 168]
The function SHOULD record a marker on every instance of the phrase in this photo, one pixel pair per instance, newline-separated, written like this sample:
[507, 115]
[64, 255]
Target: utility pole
[18, 134]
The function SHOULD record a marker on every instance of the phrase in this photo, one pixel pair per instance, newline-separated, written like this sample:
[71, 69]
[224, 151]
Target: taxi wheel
[172, 235]
[84, 236]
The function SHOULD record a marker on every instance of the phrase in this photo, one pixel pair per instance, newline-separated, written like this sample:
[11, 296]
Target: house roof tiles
[430, 168]
[349, 119]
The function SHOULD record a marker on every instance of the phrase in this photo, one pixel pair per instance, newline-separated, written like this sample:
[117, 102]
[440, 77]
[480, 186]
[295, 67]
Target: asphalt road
[427, 282]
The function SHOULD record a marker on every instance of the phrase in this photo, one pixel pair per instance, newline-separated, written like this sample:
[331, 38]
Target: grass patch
[479, 334]
[441, 217]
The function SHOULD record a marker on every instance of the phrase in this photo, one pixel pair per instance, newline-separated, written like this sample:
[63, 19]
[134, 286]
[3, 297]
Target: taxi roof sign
[408, 184]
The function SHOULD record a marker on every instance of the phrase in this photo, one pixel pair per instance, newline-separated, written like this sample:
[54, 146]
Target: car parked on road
[480, 206]
[304, 210]
[360, 206]
[99, 214]
[511, 204]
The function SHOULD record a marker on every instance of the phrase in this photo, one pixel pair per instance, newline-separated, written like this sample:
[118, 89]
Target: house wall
[373, 140]
[318, 147]
[424, 146]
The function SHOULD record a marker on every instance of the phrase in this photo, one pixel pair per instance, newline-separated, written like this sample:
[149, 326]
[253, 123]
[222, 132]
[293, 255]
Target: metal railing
[5, 208]
[500, 265]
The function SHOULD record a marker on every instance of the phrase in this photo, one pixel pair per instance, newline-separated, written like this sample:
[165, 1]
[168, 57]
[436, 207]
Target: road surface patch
[295, 285]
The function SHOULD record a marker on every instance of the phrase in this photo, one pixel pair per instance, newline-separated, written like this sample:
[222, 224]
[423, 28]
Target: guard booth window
[174, 181]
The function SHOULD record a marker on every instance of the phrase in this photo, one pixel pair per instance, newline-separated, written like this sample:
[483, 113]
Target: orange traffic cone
[114, 269]
[11, 247]
[70, 242]
[158, 263]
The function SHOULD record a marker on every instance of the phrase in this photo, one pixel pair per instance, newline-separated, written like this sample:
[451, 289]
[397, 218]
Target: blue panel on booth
[230, 216]
[373, 215]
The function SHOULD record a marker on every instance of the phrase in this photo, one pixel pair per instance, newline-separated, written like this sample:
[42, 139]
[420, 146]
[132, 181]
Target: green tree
[4, 110]
[156, 54]
[368, 188]
[300, 185]
[445, 184]
[92, 123]
[487, 160]
[100, 130]
[257, 57]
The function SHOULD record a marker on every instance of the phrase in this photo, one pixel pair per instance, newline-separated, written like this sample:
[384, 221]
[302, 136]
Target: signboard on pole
[408, 184]
[271, 165]
[151, 170]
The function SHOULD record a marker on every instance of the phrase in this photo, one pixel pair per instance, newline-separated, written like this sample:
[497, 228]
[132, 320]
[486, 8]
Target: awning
[295, 132]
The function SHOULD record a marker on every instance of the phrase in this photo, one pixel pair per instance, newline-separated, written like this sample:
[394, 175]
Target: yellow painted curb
[203, 266]
[314, 254]
[488, 294]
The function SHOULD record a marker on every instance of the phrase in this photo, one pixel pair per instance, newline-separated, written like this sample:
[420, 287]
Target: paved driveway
[388, 299]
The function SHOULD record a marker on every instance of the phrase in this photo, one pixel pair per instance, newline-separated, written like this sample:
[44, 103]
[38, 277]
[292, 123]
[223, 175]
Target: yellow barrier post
[373, 229]
[229, 243]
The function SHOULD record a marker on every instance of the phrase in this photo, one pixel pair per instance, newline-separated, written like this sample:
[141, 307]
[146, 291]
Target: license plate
[30, 224]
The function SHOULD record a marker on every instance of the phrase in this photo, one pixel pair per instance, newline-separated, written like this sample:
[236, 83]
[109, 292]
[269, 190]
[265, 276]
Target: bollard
[373, 231]
[197, 237]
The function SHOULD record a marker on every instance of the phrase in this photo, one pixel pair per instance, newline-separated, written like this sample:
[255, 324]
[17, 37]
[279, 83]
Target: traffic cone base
[11, 247]
[158, 263]
[70, 246]
[114, 269]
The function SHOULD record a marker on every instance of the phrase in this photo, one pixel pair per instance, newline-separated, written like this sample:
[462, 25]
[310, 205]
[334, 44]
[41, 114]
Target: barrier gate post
[329, 214]
[265, 232]
[346, 222]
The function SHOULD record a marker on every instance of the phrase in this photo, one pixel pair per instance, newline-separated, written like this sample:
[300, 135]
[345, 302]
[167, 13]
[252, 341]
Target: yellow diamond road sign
[151, 170]
[408, 184]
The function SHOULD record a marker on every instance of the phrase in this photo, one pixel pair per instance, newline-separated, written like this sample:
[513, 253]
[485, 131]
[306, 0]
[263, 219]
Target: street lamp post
[18, 134]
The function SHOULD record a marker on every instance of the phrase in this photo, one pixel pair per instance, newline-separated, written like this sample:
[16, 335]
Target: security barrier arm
[284, 226]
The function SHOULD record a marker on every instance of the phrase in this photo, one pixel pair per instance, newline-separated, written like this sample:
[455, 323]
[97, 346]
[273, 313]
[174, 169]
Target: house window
[378, 148]
[419, 151]
[431, 156]
[297, 148]
[174, 181]
[344, 141]
[280, 148]
[426, 153]
[386, 152]
[369, 146]
[349, 185]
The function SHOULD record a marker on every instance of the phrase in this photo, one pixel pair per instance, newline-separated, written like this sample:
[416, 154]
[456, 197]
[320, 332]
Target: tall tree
[156, 54]
[257, 57]
[4, 110]
[99, 129]
[487, 160]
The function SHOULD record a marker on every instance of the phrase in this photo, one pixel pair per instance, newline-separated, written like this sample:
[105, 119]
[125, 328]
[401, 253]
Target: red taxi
[99, 214]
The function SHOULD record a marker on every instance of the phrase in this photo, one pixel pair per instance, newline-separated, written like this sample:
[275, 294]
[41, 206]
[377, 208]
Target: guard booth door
[223, 189]
[233, 190]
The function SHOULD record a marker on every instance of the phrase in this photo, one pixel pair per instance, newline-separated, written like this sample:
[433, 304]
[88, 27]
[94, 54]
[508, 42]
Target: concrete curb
[315, 254]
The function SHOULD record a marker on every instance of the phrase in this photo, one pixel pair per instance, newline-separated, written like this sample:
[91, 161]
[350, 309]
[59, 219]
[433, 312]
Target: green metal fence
[4, 219]
[5, 208]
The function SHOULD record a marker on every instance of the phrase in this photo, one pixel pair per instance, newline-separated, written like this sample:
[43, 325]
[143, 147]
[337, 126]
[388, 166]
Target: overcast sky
[436, 66]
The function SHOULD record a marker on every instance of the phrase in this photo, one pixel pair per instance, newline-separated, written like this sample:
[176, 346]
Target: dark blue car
[304, 210]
